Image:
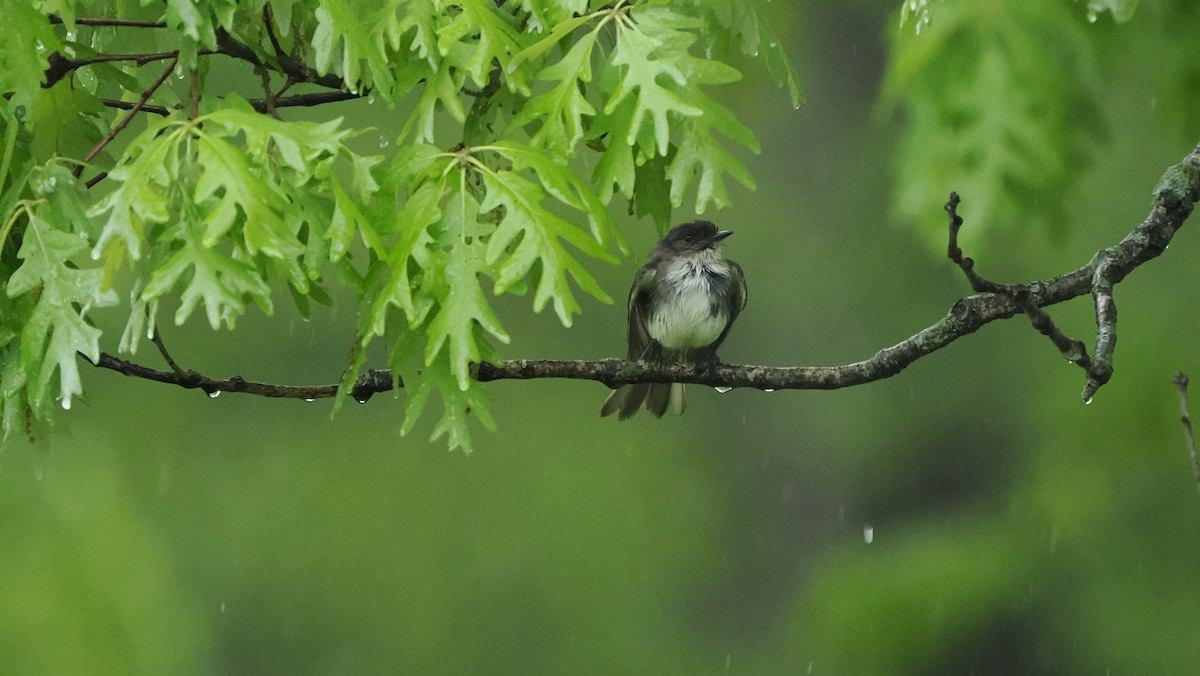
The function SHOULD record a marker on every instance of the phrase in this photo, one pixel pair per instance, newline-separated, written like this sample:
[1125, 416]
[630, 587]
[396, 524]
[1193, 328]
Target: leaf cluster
[520, 122]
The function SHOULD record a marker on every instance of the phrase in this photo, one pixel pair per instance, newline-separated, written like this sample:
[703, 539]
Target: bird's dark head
[693, 236]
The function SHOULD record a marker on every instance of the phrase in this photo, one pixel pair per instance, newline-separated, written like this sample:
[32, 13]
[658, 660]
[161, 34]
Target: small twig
[264, 79]
[128, 105]
[156, 338]
[1181, 384]
[91, 182]
[128, 117]
[281, 101]
[1101, 368]
[283, 90]
[105, 21]
[269, 23]
[59, 66]
[978, 283]
[139, 59]
[1073, 350]
[314, 99]
[194, 81]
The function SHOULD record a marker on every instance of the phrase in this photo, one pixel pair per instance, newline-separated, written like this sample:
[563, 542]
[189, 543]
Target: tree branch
[295, 100]
[105, 21]
[126, 105]
[1174, 197]
[59, 66]
[368, 383]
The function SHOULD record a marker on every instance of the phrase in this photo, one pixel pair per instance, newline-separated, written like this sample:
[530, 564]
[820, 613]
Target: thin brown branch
[128, 105]
[978, 283]
[268, 96]
[1174, 198]
[139, 59]
[193, 94]
[296, 100]
[368, 383]
[105, 21]
[128, 116]
[269, 23]
[283, 90]
[156, 338]
[1181, 384]
[60, 66]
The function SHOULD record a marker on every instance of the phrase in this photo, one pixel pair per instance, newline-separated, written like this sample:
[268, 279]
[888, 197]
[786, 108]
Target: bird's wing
[738, 299]
[639, 307]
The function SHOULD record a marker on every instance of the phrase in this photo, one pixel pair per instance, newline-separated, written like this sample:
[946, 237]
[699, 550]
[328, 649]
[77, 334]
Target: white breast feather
[691, 322]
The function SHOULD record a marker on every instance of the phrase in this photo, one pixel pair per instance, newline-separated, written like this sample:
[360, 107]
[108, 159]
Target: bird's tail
[658, 397]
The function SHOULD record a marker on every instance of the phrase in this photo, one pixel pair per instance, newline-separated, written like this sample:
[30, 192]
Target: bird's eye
[687, 238]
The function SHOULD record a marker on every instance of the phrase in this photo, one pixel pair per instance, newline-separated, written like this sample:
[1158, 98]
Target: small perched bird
[683, 301]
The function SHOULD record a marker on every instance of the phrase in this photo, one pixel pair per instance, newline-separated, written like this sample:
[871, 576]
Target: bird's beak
[719, 236]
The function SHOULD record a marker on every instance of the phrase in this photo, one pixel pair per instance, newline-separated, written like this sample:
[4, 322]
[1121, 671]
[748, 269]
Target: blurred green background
[970, 515]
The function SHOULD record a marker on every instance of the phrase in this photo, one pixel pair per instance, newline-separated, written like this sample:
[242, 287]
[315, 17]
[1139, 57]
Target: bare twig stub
[1181, 384]
[1173, 200]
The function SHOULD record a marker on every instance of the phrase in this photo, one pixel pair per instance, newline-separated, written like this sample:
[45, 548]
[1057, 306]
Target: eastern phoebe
[683, 301]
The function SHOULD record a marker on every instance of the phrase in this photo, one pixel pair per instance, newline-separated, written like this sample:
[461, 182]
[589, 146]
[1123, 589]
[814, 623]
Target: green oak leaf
[497, 41]
[222, 281]
[561, 109]
[531, 234]
[700, 152]
[655, 77]
[458, 405]
[56, 329]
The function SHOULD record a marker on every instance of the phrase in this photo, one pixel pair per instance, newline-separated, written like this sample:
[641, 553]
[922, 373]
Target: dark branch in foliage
[297, 100]
[126, 120]
[1174, 197]
[126, 105]
[59, 66]
[105, 21]
[294, 101]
